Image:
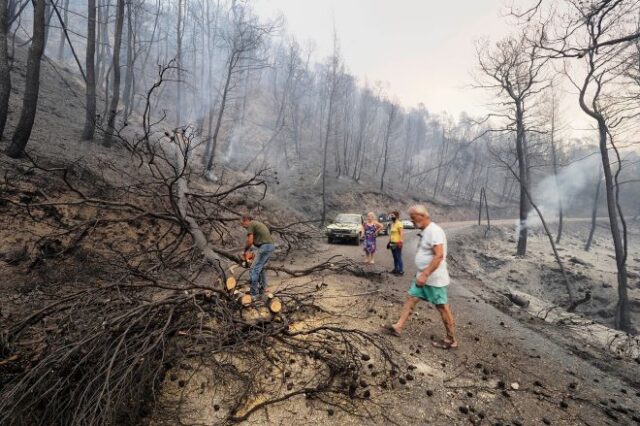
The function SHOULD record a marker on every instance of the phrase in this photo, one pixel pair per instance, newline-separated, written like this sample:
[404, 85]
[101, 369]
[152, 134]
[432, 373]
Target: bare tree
[333, 78]
[179, 37]
[594, 212]
[65, 24]
[90, 62]
[554, 107]
[243, 40]
[515, 72]
[115, 97]
[5, 67]
[32, 83]
[392, 112]
[600, 35]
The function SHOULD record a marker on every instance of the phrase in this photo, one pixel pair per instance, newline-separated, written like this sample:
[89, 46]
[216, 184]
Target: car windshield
[348, 218]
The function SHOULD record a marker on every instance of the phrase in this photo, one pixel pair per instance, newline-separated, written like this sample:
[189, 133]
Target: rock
[330, 411]
[577, 261]
[610, 414]
[517, 300]
[546, 421]
[464, 409]
[429, 392]
[15, 255]
[563, 404]
[515, 386]
[606, 285]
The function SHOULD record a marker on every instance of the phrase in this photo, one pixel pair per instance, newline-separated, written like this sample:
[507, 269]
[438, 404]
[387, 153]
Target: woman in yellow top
[396, 238]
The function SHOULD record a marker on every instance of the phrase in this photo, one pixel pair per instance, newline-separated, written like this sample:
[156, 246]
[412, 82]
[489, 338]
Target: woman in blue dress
[371, 228]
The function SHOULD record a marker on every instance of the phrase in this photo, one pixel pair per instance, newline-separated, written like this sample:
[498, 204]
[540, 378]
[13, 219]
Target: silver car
[346, 227]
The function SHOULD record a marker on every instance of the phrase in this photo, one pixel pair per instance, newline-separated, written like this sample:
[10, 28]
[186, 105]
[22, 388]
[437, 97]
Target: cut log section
[231, 283]
[244, 299]
[255, 315]
[275, 305]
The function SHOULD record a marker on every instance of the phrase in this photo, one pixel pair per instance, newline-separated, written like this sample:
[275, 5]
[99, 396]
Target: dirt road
[511, 368]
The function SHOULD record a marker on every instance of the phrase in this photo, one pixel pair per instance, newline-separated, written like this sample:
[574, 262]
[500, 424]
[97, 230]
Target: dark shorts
[435, 295]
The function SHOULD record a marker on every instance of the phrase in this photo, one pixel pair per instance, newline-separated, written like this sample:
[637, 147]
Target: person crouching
[258, 235]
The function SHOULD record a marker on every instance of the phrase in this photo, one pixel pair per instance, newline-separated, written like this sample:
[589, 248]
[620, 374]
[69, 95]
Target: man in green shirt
[258, 235]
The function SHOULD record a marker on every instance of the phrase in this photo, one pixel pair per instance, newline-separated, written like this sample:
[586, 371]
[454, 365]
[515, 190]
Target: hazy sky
[424, 49]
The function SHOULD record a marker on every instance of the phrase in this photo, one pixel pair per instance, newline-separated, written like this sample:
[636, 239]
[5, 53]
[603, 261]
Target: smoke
[573, 187]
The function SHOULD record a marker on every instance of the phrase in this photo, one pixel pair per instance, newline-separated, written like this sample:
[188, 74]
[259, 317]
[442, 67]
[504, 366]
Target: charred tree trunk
[323, 218]
[623, 319]
[63, 36]
[179, 63]
[594, 213]
[554, 159]
[616, 220]
[128, 79]
[213, 143]
[444, 142]
[387, 136]
[90, 93]
[523, 181]
[32, 83]
[5, 67]
[332, 94]
[115, 99]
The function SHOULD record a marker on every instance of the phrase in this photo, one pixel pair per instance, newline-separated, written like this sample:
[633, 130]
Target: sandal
[444, 344]
[390, 329]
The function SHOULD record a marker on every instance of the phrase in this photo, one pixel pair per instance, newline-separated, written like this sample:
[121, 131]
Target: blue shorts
[435, 295]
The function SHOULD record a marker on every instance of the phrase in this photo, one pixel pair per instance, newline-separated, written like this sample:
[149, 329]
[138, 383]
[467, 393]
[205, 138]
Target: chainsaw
[247, 258]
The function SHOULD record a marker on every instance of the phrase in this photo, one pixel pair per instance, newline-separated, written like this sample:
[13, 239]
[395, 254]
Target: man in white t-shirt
[432, 279]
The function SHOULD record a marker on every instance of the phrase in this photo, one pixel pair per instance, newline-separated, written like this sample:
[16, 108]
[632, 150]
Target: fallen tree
[134, 287]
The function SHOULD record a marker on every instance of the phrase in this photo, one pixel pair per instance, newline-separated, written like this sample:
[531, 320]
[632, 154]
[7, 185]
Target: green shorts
[435, 295]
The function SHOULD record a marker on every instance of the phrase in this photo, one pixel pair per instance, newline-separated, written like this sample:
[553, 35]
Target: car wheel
[330, 240]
